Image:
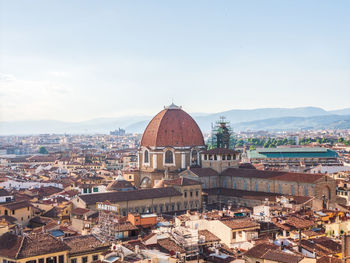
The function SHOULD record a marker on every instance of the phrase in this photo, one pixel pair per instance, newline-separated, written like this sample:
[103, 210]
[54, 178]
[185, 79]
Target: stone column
[155, 161]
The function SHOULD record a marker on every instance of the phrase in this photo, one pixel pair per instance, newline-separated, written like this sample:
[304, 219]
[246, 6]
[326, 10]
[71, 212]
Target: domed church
[171, 142]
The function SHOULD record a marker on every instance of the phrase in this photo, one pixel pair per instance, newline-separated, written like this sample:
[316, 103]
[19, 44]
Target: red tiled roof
[170, 246]
[209, 236]
[282, 257]
[124, 226]
[17, 205]
[172, 127]
[202, 172]
[240, 223]
[35, 244]
[182, 181]
[273, 175]
[141, 194]
[119, 185]
[79, 211]
[84, 244]
[259, 250]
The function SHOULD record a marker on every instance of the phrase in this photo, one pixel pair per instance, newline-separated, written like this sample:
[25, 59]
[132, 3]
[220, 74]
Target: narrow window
[146, 156]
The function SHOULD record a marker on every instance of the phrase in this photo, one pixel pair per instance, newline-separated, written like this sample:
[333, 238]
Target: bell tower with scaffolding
[221, 134]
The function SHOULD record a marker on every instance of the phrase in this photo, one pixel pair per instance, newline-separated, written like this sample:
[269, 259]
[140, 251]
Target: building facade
[176, 195]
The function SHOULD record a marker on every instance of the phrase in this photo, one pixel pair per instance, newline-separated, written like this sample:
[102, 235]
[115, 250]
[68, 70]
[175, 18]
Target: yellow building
[33, 248]
[178, 195]
[21, 210]
[43, 248]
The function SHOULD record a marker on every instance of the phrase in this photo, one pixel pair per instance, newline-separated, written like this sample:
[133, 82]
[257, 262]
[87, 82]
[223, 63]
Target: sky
[80, 60]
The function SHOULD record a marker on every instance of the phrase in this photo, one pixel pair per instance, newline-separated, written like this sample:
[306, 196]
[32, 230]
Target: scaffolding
[186, 238]
[221, 126]
[107, 220]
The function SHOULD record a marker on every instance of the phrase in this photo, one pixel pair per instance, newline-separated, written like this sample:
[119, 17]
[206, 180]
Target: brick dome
[172, 127]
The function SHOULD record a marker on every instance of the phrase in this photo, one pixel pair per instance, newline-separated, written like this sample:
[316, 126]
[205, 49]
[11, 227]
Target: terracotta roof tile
[203, 172]
[209, 236]
[172, 127]
[182, 181]
[240, 223]
[170, 246]
[282, 257]
[259, 250]
[17, 205]
[273, 175]
[35, 244]
[80, 244]
[141, 194]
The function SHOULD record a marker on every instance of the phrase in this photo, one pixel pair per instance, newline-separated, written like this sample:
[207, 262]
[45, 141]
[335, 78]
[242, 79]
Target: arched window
[169, 158]
[146, 156]
[292, 190]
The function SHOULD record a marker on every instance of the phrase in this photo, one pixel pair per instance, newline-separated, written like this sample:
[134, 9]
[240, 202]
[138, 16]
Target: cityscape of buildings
[174, 131]
[174, 194]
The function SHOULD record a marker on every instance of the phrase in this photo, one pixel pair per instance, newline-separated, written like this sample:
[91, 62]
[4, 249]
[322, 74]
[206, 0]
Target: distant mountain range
[255, 119]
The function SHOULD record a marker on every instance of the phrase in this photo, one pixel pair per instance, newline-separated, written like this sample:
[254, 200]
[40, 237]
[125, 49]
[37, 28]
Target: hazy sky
[78, 60]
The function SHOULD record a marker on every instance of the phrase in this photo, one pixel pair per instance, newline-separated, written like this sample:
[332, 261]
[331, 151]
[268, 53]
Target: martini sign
[107, 207]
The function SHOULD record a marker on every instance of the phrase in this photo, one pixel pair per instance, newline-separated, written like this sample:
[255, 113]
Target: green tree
[42, 150]
[252, 147]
